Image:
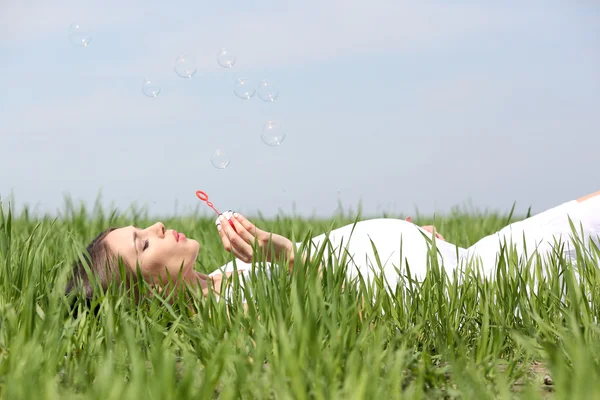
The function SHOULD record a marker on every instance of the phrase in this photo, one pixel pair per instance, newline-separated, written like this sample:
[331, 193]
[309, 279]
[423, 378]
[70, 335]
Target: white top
[400, 243]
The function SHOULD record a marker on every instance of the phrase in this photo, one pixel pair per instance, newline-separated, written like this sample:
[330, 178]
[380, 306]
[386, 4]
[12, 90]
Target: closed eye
[146, 244]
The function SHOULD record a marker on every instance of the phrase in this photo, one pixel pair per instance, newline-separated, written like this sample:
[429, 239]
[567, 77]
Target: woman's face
[155, 249]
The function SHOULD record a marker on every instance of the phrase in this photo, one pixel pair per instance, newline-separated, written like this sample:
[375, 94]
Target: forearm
[589, 196]
[303, 256]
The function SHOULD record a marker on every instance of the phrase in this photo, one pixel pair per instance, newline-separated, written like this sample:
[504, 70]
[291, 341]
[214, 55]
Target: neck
[206, 282]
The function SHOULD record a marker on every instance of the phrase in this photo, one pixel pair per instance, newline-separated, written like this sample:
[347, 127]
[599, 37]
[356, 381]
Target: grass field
[303, 336]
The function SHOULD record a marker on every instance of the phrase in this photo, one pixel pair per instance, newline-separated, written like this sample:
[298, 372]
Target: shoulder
[231, 267]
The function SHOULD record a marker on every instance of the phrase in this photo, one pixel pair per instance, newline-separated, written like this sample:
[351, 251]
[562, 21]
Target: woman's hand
[247, 235]
[429, 228]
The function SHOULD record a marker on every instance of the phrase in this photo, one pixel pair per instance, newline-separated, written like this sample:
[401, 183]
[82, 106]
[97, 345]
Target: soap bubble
[226, 58]
[244, 88]
[185, 66]
[272, 133]
[220, 159]
[150, 88]
[267, 91]
[79, 36]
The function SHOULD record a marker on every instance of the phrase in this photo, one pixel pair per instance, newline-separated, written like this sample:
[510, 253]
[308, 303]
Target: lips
[178, 236]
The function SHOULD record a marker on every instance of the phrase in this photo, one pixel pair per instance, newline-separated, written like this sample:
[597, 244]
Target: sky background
[398, 104]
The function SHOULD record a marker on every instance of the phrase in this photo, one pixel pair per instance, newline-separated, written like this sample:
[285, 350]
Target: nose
[158, 228]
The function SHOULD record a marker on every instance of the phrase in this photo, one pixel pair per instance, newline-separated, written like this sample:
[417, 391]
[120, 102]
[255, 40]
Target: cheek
[152, 260]
[170, 256]
[161, 262]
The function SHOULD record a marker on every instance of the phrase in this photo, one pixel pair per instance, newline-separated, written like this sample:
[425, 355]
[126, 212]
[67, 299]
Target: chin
[194, 245]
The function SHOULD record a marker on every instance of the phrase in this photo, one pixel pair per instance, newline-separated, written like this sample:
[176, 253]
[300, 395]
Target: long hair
[102, 264]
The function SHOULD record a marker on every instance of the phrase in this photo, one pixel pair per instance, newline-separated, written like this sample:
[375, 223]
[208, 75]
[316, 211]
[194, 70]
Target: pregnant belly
[399, 244]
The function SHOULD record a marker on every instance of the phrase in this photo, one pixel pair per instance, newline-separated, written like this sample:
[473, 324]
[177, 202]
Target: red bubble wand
[204, 197]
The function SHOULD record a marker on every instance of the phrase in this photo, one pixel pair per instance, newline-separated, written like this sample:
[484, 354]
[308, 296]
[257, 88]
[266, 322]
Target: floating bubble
[244, 88]
[267, 91]
[79, 36]
[272, 133]
[185, 66]
[226, 58]
[220, 159]
[150, 88]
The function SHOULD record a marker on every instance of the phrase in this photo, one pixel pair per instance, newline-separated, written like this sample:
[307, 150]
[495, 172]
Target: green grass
[304, 336]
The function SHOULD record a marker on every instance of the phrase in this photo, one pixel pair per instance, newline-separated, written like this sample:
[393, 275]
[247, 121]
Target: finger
[224, 237]
[227, 215]
[221, 221]
[231, 248]
[259, 238]
[262, 238]
[409, 219]
[240, 248]
[243, 232]
[249, 226]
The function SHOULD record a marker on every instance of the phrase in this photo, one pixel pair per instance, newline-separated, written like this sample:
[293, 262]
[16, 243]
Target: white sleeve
[536, 233]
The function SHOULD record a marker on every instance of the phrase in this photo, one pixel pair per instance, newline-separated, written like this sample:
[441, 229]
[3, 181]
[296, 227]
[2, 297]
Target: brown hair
[102, 264]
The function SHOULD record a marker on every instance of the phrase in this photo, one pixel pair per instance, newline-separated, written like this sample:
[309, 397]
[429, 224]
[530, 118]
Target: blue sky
[428, 104]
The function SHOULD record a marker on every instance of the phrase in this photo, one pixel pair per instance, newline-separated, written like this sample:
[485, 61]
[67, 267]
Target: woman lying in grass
[164, 255]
